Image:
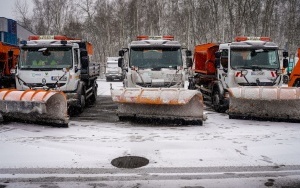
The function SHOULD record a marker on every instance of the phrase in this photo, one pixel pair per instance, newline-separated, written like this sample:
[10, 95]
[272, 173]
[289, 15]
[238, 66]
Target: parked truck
[56, 62]
[112, 70]
[294, 73]
[31, 106]
[8, 64]
[243, 77]
[154, 84]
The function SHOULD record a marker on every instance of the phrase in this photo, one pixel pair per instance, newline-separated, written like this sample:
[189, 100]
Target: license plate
[257, 73]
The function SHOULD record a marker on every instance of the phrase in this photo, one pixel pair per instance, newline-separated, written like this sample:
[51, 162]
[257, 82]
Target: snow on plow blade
[160, 103]
[34, 106]
[270, 103]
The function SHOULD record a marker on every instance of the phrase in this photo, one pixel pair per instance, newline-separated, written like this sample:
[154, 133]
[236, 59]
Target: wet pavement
[221, 153]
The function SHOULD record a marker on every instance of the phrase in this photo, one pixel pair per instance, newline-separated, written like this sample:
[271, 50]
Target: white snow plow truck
[112, 70]
[245, 78]
[154, 84]
[59, 63]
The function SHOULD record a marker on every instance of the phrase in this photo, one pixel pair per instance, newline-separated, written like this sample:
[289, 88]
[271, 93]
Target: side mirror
[285, 54]
[285, 63]
[10, 53]
[217, 54]
[189, 62]
[224, 62]
[121, 53]
[188, 52]
[120, 62]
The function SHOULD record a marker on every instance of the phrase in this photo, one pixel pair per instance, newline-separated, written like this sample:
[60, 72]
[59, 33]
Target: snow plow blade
[160, 103]
[34, 106]
[265, 103]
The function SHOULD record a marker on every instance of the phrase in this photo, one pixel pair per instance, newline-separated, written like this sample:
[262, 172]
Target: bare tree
[112, 24]
[22, 11]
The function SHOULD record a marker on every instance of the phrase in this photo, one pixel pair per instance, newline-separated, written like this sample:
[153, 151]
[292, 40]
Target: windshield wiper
[257, 67]
[243, 67]
[26, 84]
[164, 67]
[253, 67]
[156, 68]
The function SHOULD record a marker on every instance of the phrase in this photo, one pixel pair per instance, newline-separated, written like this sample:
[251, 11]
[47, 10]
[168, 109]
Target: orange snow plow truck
[294, 80]
[42, 106]
[8, 60]
[245, 78]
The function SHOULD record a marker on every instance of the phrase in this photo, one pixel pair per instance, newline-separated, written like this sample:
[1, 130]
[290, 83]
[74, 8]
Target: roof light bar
[243, 38]
[50, 37]
[164, 37]
[142, 37]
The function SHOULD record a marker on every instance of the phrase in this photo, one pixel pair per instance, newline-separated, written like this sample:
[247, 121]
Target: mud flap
[161, 103]
[265, 103]
[34, 106]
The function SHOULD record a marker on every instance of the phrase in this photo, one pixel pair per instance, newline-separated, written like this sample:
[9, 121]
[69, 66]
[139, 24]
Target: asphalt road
[103, 111]
[159, 143]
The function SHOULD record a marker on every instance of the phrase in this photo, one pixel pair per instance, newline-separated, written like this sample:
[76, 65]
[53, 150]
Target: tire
[285, 79]
[191, 86]
[82, 102]
[93, 98]
[217, 102]
[297, 83]
[124, 118]
[79, 108]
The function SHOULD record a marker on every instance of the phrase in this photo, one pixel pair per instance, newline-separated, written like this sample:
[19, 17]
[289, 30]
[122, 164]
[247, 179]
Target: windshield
[46, 58]
[257, 59]
[155, 57]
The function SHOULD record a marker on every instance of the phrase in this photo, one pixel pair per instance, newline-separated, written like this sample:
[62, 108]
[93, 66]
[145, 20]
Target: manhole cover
[130, 162]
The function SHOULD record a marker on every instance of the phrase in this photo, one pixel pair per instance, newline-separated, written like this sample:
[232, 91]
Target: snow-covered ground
[240, 149]
[104, 87]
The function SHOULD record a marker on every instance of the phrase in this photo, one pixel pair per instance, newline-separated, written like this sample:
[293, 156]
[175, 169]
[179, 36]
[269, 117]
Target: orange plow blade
[34, 106]
[160, 103]
[263, 102]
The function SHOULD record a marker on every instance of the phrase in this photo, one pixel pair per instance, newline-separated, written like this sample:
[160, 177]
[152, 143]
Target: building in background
[11, 32]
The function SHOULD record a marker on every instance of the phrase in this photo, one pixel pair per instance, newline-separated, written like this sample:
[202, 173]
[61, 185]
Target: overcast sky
[7, 8]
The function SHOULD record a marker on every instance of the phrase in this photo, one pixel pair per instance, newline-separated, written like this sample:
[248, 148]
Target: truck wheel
[216, 102]
[297, 83]
[95, 93]
[81, 105]
[191, 85]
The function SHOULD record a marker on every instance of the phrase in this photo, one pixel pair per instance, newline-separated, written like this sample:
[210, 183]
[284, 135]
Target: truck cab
[249, 62]
[58, 63]
[154, 62]
[9, 54]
